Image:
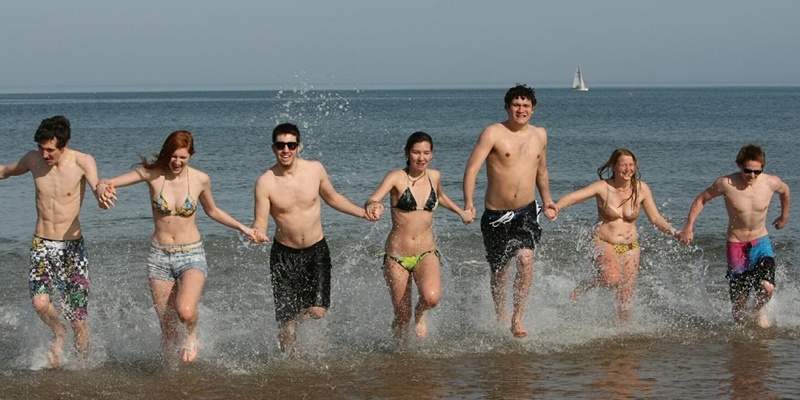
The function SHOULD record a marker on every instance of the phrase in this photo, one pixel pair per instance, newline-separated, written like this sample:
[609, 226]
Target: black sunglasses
[282, 145]
[752, 171]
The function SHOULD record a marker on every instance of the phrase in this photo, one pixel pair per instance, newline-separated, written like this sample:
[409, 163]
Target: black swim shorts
[301, 278]
[506, 232]
[743, 283]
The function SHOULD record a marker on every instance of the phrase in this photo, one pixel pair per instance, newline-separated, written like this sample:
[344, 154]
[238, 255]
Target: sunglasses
[757, 172]
[292, 145]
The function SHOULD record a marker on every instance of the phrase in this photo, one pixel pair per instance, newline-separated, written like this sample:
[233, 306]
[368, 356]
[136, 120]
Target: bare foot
[420, 328]
[573, 297]
[518, 330]
[190, 348]
[56, 348]
[762, 320]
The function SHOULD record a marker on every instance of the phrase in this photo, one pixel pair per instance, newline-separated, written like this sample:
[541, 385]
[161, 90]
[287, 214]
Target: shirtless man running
[515, 153]
[300, 262]
[751, 260]
[58, 254]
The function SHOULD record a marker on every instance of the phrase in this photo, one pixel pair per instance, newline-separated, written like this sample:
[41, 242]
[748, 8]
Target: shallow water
[679, 343]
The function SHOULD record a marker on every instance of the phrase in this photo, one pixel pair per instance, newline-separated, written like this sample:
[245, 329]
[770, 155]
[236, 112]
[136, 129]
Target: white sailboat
[577, 82]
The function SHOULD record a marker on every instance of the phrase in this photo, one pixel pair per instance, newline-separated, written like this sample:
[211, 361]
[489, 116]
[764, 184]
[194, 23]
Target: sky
[361, 44]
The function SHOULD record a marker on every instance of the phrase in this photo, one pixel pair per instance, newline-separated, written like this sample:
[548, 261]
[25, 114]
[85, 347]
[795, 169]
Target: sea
[679, 343]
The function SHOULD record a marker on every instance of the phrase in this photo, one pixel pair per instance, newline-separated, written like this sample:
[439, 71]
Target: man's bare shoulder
[773, 179]
[31, 158]
[83, 159]
[538, 131]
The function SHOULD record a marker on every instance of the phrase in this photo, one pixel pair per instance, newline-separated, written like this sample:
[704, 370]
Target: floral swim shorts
[61, 264]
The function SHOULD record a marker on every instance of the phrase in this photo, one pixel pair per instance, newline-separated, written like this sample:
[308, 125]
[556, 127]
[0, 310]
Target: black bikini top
[407, 202]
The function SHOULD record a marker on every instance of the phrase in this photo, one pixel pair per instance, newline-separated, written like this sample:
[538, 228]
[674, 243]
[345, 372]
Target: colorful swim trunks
[749, 263]
[61, 264]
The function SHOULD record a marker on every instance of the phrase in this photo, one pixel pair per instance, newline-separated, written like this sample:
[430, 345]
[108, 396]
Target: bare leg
[738, 308]
[522, 288]
[398, 279]
[81, 332]
[428, 277]
[583, 287]
[763, 295]
[499, 281]
[190, 287]
[287, 338]
[287, 331]
[628, 272]
[605, 260]
[164, 293]
[49, 315]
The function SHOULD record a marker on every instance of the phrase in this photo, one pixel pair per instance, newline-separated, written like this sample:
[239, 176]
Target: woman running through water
[177, 263]
[415, 192]
[615, 240]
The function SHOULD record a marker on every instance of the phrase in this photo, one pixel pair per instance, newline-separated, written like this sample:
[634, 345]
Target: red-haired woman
[616, 251]
[176, 264]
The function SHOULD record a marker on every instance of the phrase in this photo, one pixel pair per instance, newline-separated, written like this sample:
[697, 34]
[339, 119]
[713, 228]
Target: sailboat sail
[577, 82]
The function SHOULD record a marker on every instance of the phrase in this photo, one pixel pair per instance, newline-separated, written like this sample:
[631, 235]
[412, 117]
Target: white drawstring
[506, 218]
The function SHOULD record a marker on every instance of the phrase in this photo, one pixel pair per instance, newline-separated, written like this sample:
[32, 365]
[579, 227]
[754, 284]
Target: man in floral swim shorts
[58, 255]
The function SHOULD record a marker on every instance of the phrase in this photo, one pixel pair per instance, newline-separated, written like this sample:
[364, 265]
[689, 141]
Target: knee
[316, 312]
[525, 258]
[431, 298]
[767, 287]
[40, 302]
[187, 314]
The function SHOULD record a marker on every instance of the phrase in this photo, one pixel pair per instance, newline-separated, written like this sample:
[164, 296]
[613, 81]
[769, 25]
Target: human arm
[479, 153]
[543, 184]
[107, 188]
[262, 206]
[580, 195]
[650, 209]
[785, 197]
[687, 233]
[373, 206]
[336, 200]
[89, 167]
[446, 202]
[18, 168]
[217, 214]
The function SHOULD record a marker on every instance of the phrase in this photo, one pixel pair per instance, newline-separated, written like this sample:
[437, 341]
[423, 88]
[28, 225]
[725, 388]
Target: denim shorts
[169, 262]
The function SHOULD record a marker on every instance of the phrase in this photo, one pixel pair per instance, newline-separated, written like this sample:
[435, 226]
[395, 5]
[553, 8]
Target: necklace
[414, 181]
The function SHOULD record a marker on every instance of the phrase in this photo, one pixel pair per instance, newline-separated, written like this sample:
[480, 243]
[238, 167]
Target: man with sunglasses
[751, 260]
[300, 262]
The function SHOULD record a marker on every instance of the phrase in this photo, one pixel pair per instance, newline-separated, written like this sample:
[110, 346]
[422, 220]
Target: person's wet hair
[176, 140]
[751, 152]
[520, 91]
[285, 128]
[54, 128]
[416, 137]
[609, 166]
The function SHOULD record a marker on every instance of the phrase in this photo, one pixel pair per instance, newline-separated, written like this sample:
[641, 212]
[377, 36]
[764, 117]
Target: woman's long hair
[176, 140]
[609, 166]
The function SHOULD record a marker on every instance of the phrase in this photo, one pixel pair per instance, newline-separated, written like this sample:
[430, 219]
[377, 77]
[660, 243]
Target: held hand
[551, 211]
[471, 209]
[374, 211]
[467, 217]
[780, 222]
[106, 195]
[685, 236]
[255, 235]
